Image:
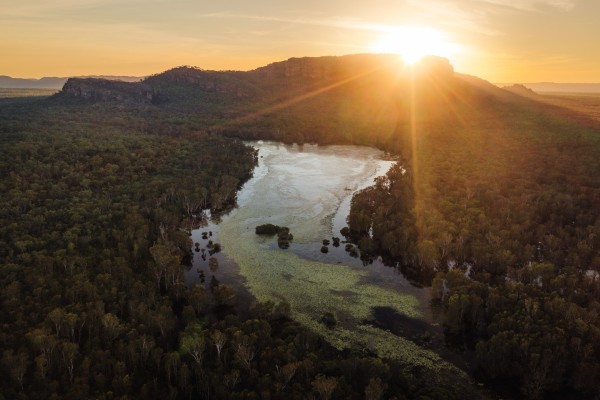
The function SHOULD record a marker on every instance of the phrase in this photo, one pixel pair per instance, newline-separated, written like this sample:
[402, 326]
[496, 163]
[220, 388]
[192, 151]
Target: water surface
[308, 189]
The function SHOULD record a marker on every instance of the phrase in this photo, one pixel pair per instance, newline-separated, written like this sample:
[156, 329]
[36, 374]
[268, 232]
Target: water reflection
[308, 189]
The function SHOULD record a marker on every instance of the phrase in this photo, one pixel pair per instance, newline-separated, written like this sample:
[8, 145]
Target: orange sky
[498, 40]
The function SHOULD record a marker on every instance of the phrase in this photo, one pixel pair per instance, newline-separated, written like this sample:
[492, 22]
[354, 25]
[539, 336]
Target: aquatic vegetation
[345, 294]
[213, 264]
[311, 287]
[329, 320]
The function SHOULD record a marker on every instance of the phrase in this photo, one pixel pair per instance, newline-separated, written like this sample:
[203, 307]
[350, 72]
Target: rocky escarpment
[335, 67]
[314, 69]
[304, 68]
[108, 90]
[230, 84]
[194, 87]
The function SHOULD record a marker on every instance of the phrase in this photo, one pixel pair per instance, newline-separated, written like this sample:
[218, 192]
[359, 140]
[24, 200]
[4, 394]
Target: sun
[413, 43]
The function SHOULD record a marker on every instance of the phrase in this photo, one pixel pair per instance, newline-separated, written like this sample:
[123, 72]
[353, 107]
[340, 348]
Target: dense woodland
[503, 217]
[495, 204]
[94, 220]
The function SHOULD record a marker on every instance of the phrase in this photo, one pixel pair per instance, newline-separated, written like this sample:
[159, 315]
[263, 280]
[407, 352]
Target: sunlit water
[308, 189]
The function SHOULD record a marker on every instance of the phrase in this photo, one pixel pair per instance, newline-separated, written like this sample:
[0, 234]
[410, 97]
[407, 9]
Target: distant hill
[7, 82]
[521, 90]
[360, 99]
[552, 87]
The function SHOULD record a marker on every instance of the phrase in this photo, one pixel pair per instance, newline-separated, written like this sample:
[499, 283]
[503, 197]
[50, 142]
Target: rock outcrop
[108, 90]
[194, 87]
[323, 68]
[227, 83]
[521, 90]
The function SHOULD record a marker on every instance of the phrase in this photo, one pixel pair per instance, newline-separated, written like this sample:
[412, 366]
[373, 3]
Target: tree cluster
[94, 223]
[502, 216]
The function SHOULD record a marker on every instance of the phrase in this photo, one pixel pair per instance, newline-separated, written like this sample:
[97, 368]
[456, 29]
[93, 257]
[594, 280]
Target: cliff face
[323, 68]
[230, 84]
[189, 86]
[107, 90]
[308, 69]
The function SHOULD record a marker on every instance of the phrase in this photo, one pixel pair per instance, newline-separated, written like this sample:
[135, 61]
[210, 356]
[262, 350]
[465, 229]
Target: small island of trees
[284, 237]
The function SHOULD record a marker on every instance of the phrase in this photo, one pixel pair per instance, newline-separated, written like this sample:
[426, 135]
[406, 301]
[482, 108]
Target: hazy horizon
[114, 75]
[498, 40]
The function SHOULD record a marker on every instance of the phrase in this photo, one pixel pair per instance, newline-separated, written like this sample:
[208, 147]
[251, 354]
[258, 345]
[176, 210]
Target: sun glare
[413, 43]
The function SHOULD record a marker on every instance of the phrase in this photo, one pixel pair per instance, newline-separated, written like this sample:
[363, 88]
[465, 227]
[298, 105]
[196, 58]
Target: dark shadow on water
[422, 333]
[413, 329]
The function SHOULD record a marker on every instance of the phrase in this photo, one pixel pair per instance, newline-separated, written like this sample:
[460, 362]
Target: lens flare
[413, 43]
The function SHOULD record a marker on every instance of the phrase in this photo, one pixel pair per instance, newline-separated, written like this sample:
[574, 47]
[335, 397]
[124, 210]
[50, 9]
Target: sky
[498, 40]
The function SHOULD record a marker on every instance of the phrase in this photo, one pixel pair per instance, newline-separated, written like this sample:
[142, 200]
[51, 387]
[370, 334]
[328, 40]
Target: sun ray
[414, 43]
[297, 99]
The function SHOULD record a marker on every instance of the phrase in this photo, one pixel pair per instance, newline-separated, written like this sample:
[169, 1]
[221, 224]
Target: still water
[308, 189]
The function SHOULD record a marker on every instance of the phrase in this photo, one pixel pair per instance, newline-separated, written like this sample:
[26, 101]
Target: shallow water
[308, 189]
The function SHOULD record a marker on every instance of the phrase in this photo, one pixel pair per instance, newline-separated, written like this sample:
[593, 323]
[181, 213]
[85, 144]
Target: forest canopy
[94, 221]
[495, 204]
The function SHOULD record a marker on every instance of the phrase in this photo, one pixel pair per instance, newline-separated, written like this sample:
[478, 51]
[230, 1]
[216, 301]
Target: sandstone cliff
[108, 90]
[193, 87]
[227, 83]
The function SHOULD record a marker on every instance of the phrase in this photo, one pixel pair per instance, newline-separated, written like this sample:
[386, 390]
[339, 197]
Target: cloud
[534, 5]
[19, 8]
[452, 18]
[325, 22]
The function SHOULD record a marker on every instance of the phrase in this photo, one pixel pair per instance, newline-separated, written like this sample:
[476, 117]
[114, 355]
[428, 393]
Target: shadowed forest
[494, 203]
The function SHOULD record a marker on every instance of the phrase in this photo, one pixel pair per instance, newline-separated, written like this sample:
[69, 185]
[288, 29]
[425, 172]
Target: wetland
[308, 188]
